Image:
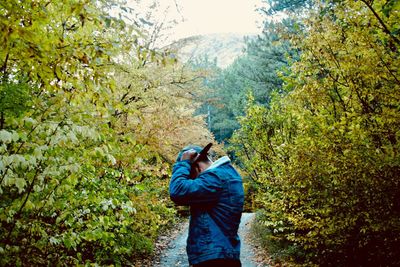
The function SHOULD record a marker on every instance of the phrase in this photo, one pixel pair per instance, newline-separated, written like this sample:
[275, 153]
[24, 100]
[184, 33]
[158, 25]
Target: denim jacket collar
[219, 162]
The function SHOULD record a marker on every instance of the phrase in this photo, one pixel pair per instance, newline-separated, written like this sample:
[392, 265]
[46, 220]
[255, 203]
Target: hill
[223, 46]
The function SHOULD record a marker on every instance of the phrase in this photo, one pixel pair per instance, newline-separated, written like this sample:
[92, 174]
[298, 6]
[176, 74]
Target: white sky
[196, 17]
[214, 16]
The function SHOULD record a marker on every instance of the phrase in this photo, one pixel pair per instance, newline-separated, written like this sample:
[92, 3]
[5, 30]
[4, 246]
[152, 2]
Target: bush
[326, 153]
[88, 131]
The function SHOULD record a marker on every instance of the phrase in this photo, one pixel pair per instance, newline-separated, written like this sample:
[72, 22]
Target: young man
[215, 198]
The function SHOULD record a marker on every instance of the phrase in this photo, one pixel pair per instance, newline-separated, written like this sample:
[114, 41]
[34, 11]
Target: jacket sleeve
[206, 188]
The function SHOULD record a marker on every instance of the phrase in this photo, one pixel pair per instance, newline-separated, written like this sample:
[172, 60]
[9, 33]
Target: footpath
[174, 254]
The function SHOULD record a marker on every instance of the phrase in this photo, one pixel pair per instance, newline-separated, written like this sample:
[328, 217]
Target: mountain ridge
[225, 47]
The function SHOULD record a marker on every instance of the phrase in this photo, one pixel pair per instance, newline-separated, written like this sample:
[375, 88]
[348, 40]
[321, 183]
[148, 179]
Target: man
[216, 199]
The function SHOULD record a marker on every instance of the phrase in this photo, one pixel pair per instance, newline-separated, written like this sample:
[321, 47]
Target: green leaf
[5, 136]
[20, 183]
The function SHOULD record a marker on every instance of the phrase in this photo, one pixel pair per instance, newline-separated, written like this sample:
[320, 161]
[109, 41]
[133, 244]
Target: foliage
[275, 6]
[325, 155]
[255, 71]
[90, 121]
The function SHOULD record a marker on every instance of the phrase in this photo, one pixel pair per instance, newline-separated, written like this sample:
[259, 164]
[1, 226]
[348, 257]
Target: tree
[86, 134]
[256, 71]
[325, 155]
[275, 6]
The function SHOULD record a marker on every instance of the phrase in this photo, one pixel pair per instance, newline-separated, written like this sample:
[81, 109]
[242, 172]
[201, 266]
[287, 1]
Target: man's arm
[206, 188]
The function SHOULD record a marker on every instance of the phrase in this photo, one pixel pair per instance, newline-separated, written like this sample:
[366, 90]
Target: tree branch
[385, 28]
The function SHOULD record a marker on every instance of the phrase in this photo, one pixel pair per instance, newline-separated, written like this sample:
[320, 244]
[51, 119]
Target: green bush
[86, 144]
[326, 153]
[280, 250]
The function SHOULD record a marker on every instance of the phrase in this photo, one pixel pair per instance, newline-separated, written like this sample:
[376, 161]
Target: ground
[172, 246]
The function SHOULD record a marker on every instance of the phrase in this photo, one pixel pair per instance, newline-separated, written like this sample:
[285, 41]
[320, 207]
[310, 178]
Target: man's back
[216, 201]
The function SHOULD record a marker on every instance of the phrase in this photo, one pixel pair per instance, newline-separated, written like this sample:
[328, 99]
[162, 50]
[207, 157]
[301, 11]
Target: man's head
[195, 148]
[191, 153]
[202, 164]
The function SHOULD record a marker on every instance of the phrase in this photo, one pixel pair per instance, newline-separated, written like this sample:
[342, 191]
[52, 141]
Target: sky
[215, 16]
[196, 17]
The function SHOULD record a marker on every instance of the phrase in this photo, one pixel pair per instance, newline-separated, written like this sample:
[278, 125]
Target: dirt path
[175, 253]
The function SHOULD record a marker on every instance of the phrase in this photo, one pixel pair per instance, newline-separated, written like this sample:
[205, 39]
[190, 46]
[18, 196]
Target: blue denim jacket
[216, 201]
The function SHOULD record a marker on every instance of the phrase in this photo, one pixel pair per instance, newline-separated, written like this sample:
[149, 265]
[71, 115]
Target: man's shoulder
[220, 162]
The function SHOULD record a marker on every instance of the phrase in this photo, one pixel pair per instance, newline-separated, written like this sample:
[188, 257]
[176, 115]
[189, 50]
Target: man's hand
[189, 155]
